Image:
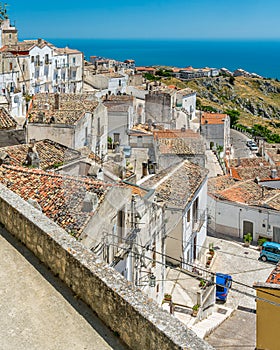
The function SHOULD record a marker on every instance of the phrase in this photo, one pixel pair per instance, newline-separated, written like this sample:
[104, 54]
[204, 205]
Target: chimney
[90, 202]
[32, 158]
[273, 173]
[144, 169]
[56, 101]
[4, 158]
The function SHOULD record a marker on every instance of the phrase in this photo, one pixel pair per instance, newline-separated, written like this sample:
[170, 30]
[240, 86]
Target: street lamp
[152, 280]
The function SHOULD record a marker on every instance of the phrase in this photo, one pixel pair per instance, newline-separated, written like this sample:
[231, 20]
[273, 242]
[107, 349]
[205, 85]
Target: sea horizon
[260, 56]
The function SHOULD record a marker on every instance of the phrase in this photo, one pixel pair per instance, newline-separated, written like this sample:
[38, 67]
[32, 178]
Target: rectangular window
[189, 215]
[32, 59]
[116, 137]
[74, 60]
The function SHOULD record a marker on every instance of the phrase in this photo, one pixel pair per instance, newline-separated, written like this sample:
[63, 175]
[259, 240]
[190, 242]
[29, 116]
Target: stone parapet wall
[140, 323]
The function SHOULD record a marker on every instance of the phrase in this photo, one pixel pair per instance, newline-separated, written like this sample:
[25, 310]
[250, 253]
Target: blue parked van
[270, 251]
[223, 283]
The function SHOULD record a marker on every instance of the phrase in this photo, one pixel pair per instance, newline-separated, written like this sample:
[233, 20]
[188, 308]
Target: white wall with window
[234, 219]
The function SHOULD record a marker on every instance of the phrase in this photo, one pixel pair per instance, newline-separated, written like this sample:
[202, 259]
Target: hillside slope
[257, 100]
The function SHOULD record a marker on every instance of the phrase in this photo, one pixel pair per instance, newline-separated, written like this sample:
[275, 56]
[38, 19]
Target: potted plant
[247, 239]
[202, 283]
[195, 309]
[261, 241]
[167, 297]
[211, 249]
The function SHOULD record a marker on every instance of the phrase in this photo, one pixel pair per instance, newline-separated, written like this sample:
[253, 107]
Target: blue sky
[189, 19]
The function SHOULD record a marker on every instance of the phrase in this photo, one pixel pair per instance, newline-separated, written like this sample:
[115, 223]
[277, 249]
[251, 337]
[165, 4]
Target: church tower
[8, 33]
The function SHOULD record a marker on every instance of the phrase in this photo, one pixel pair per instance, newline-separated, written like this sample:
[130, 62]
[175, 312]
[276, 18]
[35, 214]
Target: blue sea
[256, 56]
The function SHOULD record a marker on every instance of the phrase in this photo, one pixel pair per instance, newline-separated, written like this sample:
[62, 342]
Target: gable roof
[71, 108]
[246, 192]
[6, 120]
[51, 153]
[177, 184]
[248, 168]
[60, 197]
[179, 142]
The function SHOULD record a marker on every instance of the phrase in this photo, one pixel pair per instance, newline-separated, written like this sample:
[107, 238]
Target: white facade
[187, 229]
[90, 130]
[127, 231]
[108, 84]
[40, 59]
[187, 101]
[230, 218]
[67, 71]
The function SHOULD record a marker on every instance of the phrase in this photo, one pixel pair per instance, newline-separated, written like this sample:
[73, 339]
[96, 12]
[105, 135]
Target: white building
[238, 207]
[107, 83]
[186, 99]
[215, 128]
[67, 70]
[121, 117]
[74, 120]
[35, 66]
[183, 190]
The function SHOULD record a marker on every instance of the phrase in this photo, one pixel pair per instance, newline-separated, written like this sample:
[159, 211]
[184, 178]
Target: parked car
[250, 142]
[270, 251]
[223, 284]
[254, 147]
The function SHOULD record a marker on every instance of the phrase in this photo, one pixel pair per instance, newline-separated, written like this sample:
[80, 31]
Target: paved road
[38, 312]
[238, 141]
[238, 331]
[244, 267]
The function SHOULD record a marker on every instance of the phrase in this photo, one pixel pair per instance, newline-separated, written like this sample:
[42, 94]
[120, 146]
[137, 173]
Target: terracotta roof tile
[248, 168]
[179, 142]
[244, 191]
[6, 120]
[177, 185]
[71, 108]
[60, 197]
[212, 118]
[50, 153]
[274, 277]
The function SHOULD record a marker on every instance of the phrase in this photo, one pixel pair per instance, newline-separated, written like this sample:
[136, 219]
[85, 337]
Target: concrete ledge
[140, 323]
[208, 325]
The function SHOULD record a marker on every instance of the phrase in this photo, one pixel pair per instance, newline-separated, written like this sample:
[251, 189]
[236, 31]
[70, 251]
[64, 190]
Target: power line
[209, 281]
[220, 251]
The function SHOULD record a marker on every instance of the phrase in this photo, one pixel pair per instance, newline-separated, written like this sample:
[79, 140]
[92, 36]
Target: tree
[233, 114]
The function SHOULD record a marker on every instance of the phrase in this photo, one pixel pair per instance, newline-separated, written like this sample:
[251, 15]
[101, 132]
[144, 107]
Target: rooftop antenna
[3, 11]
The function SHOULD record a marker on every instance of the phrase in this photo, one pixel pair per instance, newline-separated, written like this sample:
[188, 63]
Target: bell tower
[8, 33]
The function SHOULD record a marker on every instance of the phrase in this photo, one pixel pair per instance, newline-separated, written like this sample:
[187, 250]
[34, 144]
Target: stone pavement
[184, 290]
[233, 258]
[39, 312]
[212, 164]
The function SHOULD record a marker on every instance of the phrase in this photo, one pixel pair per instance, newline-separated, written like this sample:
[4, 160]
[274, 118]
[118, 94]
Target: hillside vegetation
[257, 100]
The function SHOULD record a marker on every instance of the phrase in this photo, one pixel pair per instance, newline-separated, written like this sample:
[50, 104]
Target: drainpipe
[240, 210]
